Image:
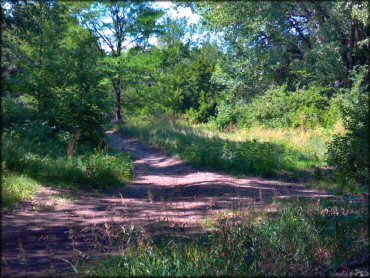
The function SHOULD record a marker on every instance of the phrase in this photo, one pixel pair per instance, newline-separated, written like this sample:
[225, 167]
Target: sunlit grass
[17, 188]
[309, 141]
[257, 151]
[335, 187]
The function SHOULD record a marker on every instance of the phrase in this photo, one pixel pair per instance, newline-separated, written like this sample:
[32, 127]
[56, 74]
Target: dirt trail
[166, 195]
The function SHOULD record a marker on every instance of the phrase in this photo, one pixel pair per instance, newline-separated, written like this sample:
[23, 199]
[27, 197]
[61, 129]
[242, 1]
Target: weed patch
[303, 238]
[215, 151]
[17, 188]
[39, 158]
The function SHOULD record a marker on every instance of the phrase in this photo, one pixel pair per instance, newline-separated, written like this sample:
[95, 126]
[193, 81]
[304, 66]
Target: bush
[192, 116]
[205, 110]
[349, 154]
[85, 118]
[69, 116]
[279, 107]
[15, 112]
[227, 115]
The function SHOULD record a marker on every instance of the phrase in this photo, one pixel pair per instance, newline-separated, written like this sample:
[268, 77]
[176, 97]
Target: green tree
[119, 25]
[272, 43]
[33, 30]
[52, 64]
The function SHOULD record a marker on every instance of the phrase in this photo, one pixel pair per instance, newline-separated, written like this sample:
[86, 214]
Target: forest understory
[185, 138]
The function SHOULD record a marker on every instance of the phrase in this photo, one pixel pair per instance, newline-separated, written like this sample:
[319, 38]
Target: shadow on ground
[51, 234]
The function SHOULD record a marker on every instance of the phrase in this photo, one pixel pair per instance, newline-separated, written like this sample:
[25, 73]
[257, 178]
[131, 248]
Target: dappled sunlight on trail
[166, 196]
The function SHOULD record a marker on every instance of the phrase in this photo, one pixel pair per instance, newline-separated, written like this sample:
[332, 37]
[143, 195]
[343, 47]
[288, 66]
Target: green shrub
[67, 114]
[15, 112]
[192, 116]
[279, 107]
[227, 115]
[349, 154]
[204, 112]
[87, 117]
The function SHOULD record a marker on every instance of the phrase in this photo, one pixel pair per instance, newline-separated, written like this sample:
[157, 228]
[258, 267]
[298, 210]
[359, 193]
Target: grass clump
[48, 159]
[106, 168]
[96, 169]
[301, 239]
[17, 188]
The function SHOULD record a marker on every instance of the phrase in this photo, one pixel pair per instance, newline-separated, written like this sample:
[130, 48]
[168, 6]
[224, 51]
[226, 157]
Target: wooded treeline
[74, 67]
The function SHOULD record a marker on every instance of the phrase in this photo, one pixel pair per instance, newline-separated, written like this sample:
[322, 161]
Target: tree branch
[302, 36]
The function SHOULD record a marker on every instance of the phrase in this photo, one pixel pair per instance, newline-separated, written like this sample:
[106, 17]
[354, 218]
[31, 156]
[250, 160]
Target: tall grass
[258, 151]
[16, 188]
[38, 157]
[310, 142]
[89, 168]
[301, 239]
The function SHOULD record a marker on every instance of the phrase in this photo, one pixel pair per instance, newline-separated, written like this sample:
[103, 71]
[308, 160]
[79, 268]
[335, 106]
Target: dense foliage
[51, 66]
[74, 67]
[300, 44]
[255, 88]
[349, 153]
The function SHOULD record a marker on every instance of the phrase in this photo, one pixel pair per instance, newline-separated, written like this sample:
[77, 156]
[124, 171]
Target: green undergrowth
[303, 238]
[17, 188]
[254, 153]
[44, 158]
[335, 187]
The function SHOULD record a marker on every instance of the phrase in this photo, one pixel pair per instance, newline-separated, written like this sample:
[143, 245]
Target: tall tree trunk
[41, 50]
[368, 55]
[118, 105]
[344, 46]
[118, 90]
[350, 53]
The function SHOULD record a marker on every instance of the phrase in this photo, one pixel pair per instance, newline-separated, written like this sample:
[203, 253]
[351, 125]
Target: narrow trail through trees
[50, 234]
